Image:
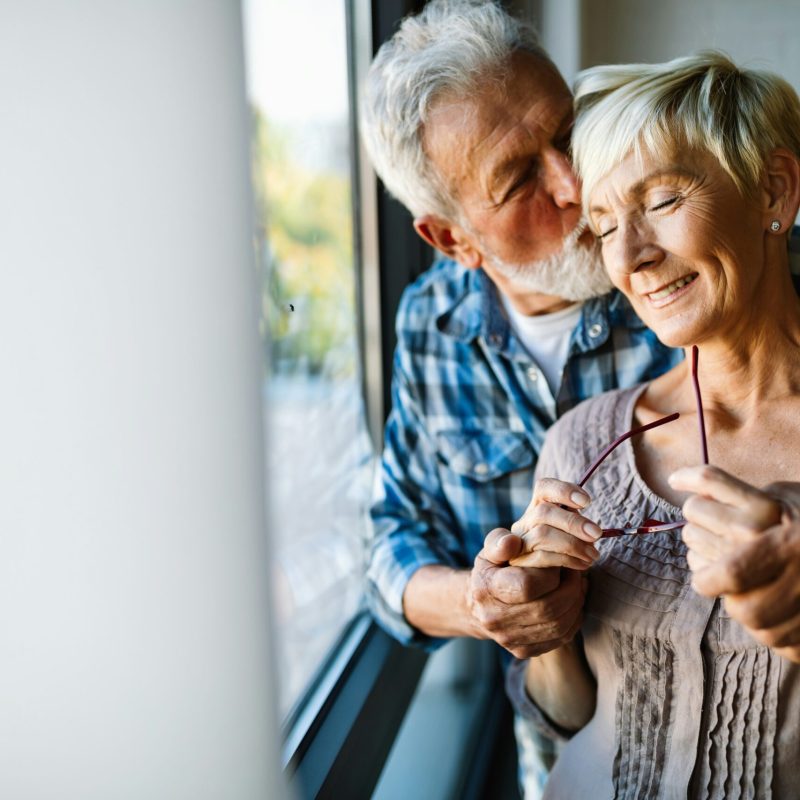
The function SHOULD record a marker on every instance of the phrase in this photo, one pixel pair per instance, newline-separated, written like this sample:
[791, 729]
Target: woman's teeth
[673, 287]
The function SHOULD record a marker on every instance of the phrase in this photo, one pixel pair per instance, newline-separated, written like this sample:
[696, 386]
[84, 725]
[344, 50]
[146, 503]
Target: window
[319, 455]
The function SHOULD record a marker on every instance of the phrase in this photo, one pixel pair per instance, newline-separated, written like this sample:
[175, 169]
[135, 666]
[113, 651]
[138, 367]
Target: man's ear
[781, 189]
[450, 238]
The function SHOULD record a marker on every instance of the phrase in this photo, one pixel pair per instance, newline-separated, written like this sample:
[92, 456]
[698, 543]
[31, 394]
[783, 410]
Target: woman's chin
[682, 335]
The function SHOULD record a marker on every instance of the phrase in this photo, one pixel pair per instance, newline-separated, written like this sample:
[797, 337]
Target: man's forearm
[435, 602]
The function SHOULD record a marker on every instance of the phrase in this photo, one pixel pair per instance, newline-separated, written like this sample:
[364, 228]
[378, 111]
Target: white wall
[763, 34]
[134, 658]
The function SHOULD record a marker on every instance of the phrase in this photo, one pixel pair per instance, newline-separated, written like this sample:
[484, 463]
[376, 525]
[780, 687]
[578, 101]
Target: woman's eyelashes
[665, 202]
[602, 235]
[662, 204]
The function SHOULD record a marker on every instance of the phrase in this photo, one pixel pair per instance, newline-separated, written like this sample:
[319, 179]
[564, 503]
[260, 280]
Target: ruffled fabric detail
[737, 745]
[642, 718]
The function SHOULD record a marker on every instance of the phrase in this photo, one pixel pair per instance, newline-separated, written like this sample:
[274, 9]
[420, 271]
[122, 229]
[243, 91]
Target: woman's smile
[671, 292]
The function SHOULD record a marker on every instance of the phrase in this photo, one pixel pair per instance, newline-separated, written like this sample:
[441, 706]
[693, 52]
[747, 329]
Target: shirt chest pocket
[482, 456]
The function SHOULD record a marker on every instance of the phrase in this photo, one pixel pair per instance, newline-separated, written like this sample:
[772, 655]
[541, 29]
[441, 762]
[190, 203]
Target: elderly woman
[691, 180]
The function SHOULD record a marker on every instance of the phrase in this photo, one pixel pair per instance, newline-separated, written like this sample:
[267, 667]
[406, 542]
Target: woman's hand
[744, 544]
[553, 532]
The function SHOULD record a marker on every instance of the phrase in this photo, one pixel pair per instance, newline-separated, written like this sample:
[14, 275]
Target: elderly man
[468, 124]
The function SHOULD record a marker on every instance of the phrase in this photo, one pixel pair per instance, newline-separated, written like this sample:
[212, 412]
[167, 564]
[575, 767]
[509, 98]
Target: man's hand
[525, 610]
[744, 545]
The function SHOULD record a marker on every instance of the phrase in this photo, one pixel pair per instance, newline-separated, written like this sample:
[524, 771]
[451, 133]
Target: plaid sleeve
[412, 521]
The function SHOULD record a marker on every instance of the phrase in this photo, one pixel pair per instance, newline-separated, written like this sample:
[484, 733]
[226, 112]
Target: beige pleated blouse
[688, 703]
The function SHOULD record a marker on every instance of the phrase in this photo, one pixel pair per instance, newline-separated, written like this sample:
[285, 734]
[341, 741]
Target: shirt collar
[600, 315]
[476, 311]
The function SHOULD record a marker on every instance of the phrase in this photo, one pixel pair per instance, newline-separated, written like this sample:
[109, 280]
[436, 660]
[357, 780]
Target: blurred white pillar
[134, 653]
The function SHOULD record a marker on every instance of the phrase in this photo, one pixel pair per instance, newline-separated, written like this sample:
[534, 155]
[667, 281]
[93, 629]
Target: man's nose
[562, 183]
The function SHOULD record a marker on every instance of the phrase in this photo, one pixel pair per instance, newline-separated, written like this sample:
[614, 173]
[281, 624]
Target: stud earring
[775, 225]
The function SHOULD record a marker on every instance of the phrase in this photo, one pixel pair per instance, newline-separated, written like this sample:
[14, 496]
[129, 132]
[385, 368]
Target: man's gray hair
[450, 49]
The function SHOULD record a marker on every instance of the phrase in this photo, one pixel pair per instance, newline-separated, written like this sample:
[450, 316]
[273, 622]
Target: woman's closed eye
[661, 204]
[665, 202]
[602, 234]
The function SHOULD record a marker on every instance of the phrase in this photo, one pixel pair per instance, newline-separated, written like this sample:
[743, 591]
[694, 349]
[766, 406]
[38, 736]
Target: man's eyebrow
[638, 188]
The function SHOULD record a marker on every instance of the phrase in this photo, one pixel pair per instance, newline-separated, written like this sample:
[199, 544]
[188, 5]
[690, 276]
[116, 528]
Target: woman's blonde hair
[703, 102]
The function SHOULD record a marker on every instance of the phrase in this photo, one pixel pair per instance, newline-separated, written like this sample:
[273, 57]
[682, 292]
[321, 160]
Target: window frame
[338, 744]
[355, 704]
[339, 735]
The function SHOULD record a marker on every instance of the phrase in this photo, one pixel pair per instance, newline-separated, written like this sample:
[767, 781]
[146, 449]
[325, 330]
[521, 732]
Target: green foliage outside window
[306, 252]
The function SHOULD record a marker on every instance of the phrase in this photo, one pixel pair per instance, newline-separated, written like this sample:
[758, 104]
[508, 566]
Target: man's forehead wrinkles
[476, 143]
[525, 137]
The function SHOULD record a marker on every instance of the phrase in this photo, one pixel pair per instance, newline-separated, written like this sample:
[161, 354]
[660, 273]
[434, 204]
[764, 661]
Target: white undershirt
[546, 337]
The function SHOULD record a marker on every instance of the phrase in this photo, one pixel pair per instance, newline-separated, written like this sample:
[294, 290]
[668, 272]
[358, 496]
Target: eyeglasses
[652, 525]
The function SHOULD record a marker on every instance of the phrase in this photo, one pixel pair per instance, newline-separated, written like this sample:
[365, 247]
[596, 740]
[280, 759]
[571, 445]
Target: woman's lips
[668, 294]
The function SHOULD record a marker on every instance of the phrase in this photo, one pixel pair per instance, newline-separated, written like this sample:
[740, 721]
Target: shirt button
[495, 340]
[533, 374]
[595, 330]
[481, 469]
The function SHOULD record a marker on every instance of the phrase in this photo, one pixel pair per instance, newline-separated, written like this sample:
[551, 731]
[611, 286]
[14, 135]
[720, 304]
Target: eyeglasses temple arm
[699, 399]
[617, 442]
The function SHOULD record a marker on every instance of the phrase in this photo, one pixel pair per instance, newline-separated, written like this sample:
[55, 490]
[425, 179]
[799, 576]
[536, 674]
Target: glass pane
[319, 454]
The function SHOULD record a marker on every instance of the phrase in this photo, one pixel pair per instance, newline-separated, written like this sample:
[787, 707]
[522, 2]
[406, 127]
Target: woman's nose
[562, 184]
[632, 249]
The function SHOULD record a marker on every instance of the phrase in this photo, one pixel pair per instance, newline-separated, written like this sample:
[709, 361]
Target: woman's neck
[756, 357]
[742, 371]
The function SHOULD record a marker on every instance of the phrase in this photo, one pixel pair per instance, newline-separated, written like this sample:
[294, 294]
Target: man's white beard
[575, 273]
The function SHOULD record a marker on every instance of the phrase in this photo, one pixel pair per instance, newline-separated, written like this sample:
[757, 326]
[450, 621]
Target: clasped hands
[743, 544]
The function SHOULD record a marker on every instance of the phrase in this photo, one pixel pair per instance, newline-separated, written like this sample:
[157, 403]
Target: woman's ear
[781, 190]
[450, 238]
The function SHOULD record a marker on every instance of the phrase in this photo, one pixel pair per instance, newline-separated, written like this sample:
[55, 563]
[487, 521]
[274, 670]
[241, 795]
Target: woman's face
[682, 243]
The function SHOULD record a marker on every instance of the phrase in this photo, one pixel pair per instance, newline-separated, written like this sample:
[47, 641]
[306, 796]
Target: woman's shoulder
[583, 431]
[608, 412]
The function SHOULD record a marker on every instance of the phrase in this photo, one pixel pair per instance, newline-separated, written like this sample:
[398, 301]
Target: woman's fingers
[769, 607]
[550, 490]
[758, 509]
[555, 542]
[750, 565]
[697, 564]
[553, 492]
[705, 543]
[553, 533]
[716, 526]
[787, 493]
[543, 559]
[563, 519]
[724, 515]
